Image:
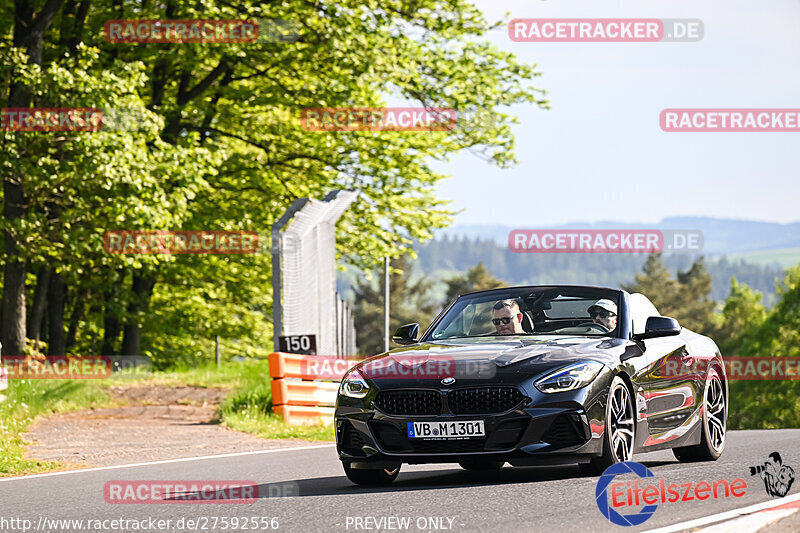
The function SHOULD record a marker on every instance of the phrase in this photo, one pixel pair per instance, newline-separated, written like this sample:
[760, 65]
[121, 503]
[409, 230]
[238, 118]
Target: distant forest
[449, 254]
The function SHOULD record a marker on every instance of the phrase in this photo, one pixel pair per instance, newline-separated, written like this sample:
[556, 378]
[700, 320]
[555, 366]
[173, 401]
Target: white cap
[608, 305]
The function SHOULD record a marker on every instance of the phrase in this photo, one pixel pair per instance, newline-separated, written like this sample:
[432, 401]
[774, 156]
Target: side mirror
[406, 334]
[659, 326]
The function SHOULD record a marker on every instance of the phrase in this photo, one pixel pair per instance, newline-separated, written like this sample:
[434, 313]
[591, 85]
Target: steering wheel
[600, 327]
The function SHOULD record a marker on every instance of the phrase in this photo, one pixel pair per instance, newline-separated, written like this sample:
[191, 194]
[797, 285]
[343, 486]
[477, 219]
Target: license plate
[461, 429]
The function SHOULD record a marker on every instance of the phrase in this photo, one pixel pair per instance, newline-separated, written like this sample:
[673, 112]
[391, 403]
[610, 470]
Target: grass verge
[249, 409]
[248, 406]
[28, 399]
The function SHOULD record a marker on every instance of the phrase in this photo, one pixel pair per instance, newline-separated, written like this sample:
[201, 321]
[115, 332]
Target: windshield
[531, 311]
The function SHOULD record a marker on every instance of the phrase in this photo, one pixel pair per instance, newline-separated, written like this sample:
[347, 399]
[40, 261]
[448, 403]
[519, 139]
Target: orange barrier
[295, 392]
[299, 415]
[292, 365]
[300, 393]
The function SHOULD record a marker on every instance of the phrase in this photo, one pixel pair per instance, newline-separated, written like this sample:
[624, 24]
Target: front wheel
[618, 436]
[360, 476]
[715, 416]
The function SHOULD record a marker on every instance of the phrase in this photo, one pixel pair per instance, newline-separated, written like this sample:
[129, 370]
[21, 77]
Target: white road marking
[166, 461]
[726, 515]
[753, 522]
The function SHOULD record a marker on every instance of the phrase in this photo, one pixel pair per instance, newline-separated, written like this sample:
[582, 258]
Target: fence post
[386, 304]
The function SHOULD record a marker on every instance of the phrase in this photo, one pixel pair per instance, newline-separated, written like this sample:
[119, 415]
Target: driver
[507, 317]
[604, 312]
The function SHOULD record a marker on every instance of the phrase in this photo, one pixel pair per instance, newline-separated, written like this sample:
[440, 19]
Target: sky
[599, 153]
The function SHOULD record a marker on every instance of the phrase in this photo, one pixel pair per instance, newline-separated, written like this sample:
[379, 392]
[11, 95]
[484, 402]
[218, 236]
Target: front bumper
[549, 429]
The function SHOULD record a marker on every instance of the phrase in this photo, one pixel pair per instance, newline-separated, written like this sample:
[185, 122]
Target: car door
[672, 385]
[671, 389]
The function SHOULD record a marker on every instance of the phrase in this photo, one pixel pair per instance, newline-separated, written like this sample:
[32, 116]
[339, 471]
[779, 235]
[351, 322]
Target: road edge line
[726, 515]
[750, 522]
[164, 461]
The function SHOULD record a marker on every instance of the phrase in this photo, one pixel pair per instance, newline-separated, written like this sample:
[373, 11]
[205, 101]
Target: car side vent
[563, 432]
[352, 441]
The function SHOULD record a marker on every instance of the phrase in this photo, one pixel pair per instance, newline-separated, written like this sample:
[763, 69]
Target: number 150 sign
[302, 344]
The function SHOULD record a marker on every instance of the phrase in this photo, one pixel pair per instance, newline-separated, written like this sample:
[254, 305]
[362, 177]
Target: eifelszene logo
[631, 494]
[778, 477]
[601, 494]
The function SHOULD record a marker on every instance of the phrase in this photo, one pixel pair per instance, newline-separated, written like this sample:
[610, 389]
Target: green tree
[748, 330]
[694, 308]
[743, 314]
[477, 278]
[780, 333]
[686, 298]
[657, 284]
[409, 303]
[220, 146]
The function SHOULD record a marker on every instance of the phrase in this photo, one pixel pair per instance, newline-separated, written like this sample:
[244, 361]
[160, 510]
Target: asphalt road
[430, 497]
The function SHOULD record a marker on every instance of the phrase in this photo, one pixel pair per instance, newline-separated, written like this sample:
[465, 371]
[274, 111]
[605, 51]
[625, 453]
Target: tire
[480, 465]
[359, 476]
[715, 418]
[620, 430]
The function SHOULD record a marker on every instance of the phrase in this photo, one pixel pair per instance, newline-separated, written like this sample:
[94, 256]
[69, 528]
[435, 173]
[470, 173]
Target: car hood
[487, 357]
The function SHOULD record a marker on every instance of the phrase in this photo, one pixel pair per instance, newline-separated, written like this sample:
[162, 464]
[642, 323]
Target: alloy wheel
[621, 423]
[715, 413]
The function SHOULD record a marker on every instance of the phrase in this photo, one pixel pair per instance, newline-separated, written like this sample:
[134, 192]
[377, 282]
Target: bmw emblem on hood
[448, 381]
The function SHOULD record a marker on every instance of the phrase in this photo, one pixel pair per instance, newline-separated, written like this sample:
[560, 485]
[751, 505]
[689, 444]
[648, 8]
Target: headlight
[353, 385]
[570, 378]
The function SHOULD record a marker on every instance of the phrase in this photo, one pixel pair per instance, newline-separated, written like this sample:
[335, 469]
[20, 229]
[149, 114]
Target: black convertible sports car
[534, 375]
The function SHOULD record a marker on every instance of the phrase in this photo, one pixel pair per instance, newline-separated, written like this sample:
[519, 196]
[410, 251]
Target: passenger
[507, 317]
[604, 312]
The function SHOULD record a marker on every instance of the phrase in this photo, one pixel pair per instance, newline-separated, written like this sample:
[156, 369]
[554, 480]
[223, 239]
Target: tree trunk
[13, 306]
[39, 303]
[15, 270]
[142, 291]
[78, 309]
[111, 325]
[45, 331]
[110, 333]
[55, 316]
[29, 32]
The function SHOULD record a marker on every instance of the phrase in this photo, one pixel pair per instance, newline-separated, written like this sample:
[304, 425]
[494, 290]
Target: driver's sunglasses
[602, 314]
[504, 320]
